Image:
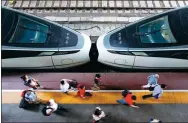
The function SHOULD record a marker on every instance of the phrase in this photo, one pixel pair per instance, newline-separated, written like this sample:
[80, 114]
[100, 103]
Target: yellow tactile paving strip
[99, 98]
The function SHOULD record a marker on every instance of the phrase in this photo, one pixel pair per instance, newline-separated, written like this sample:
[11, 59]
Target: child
[82, 91]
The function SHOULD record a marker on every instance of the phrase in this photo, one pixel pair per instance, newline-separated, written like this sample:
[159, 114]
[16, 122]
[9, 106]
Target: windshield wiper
[25, 27]
[147, 33]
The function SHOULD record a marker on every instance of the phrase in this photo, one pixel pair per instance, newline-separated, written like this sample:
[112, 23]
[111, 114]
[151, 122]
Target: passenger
[128, 98]
[95, 87]
[98, 115]
[82, 91]
[157, 91]
[152, 81]
[52, 107]
[98, 78]
[97, 82]
[30, 96]
[31, 82]
[65, 86]
[154, 121]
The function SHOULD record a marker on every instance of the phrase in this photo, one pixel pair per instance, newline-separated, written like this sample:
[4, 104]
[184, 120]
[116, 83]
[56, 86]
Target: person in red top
[82, 91]
[128, 99]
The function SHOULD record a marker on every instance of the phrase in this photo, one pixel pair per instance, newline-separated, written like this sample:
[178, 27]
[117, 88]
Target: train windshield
[8, 24]
[20, 29]
[157, 31]
[29, 31]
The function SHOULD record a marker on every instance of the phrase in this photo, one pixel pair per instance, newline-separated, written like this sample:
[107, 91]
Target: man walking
[98, 115]
[31, 97]
[31, 82]
[154, 121]
[152, 80]
[65, 85]
[52, 107]
[128, 99]
[157, 91]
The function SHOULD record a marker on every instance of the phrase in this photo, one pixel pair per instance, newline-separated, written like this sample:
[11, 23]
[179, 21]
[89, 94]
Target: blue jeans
[121, 101]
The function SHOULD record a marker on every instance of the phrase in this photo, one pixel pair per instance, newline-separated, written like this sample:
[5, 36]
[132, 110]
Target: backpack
[152, 88]
[44, 111]
[74, 83]
[24, 92]
[125, 92]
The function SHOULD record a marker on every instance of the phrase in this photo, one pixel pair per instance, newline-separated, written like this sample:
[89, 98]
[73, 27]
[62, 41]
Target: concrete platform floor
[98, 97]
[82, 113]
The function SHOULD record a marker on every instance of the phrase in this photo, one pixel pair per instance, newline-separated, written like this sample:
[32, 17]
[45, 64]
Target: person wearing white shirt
[52, 107]
[154, 121]
[152, 81]
[157, 91]
[65, 86]
[98, 114]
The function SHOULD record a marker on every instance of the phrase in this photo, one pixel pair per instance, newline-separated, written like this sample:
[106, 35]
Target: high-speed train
[31, 42]
[157, 42]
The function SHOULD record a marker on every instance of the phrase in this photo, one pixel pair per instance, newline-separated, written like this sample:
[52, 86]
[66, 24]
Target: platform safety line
[96, 91]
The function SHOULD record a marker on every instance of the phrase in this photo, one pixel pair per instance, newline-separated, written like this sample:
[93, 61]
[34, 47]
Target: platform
[83, 113]
[171, 107]
[112, 81]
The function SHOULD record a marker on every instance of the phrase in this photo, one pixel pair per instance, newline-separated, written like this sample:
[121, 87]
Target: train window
[68, 39]
[9, 21]
[184, 20]
[29, 31]
[118, 39]
[156, 31]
